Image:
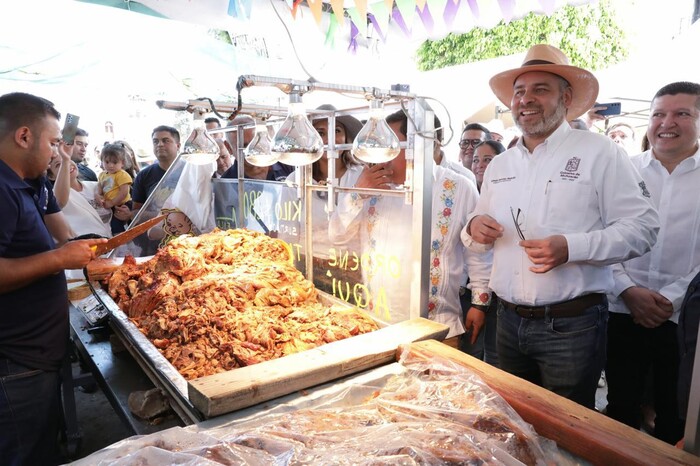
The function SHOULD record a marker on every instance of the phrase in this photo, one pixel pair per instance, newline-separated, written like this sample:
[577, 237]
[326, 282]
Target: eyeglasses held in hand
[517, 222]
[464, 143]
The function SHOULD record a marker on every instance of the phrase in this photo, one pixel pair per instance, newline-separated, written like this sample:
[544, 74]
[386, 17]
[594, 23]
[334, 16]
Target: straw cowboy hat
[551, 60]
[351, 124]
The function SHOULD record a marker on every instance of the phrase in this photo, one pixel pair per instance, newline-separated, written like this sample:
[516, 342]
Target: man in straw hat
[558, 209]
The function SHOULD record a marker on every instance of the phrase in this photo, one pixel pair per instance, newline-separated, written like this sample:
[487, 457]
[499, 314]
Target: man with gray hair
[558, 209]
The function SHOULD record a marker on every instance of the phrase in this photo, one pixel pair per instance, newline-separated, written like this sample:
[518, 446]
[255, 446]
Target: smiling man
[558, 209]
[649, 290]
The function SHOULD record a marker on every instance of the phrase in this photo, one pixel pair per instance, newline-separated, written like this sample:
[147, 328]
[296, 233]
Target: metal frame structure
[417, 190]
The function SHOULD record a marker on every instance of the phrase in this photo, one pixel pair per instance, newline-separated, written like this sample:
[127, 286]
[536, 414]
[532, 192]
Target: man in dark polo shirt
[166, 145]
[33, 297]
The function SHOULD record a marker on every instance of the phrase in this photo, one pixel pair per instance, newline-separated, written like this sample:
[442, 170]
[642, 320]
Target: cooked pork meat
[227, 299]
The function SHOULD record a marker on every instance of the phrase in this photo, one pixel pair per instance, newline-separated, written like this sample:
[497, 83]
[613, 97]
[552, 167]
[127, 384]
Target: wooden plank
[246, 386]
[584, 432]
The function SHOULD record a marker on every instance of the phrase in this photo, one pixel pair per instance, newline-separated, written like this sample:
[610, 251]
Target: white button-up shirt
[382, 223]
[675, 258]
[457, 167]
[577, 184]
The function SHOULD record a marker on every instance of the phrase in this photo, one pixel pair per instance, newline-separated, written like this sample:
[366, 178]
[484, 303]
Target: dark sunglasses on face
[464, 143]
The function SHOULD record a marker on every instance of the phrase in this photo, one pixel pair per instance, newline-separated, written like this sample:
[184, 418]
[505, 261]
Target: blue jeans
[564, 355]
[29, 415]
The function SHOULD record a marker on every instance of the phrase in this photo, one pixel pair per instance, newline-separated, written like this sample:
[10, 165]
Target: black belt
[571, 308]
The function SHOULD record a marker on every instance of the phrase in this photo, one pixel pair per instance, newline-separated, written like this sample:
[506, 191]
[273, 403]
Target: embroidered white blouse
[382, 222]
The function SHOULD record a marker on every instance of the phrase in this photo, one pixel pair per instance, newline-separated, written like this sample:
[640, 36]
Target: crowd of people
[556, 255]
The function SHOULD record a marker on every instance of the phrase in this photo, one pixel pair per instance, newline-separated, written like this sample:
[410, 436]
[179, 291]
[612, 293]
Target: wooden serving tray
[246, 386]
[582, 431]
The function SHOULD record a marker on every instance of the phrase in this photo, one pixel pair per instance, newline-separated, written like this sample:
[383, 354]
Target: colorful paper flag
[359, 20]
[316, 7]
[380, 18]
[337, 6]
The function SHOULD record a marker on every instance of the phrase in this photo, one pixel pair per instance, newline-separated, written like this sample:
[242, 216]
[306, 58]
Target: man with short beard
[558, 209]
[166, 145]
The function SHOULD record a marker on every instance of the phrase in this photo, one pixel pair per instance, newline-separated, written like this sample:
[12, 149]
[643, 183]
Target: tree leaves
[587, 34]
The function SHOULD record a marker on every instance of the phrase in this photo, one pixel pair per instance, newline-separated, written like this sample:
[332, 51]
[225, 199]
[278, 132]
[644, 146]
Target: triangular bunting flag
[420, 4]
[380, 18]
[295, 7]
[246, 6]
[337, 6]
[474, 7]
[361, 6]
[316, 7]
[426, 18]
[451, 9]
[360, 22]
[330, 34]
[437, 9]
[353, 38]
[407, 9]
[232, 8]
[398, 19]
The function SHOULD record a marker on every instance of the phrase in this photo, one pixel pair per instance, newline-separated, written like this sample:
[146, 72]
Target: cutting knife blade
[128, 235]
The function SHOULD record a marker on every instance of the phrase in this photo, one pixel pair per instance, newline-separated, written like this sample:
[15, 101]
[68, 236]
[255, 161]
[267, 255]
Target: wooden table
[583, 432]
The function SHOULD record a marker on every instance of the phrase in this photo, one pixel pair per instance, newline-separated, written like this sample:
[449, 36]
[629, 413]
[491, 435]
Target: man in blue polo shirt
[33, 297]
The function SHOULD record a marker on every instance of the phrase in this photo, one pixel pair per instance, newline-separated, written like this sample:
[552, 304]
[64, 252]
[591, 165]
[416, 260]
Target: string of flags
[433, 15]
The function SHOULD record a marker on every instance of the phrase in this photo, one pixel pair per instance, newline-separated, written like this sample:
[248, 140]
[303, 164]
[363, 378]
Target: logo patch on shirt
[572, 164]
[501, 180]
[571, 169]
[643, 187]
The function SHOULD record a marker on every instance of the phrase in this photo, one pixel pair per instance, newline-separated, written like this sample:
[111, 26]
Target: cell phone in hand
[613, 108]
[70, 127]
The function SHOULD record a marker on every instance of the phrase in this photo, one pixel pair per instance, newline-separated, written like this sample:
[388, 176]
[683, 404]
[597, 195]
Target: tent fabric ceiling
[415, 19]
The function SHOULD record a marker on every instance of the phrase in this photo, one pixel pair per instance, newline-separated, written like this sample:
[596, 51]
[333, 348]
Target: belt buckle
[524, 312]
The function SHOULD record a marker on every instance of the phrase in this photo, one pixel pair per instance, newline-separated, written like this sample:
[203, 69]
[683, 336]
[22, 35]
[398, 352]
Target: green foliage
[220, 34]
[587, 34]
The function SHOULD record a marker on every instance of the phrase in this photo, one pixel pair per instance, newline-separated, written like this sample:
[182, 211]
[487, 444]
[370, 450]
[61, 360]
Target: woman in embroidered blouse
[347, 170]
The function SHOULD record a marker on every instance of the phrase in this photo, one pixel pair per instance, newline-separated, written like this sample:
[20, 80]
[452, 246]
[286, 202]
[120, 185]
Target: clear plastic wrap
[435, 413]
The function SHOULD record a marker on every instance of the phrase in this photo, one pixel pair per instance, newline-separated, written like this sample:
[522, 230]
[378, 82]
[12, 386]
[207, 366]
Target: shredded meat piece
[227, 299]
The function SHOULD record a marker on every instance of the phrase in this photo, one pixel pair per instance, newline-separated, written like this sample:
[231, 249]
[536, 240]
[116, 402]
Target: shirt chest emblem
[570, 171]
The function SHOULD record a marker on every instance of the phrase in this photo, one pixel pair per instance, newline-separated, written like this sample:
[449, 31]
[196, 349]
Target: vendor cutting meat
[33, 296]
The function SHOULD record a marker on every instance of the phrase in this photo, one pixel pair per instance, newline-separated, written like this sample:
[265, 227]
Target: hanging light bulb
[259, 151]
[199, 148]
[297, 142]
[376, 142]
